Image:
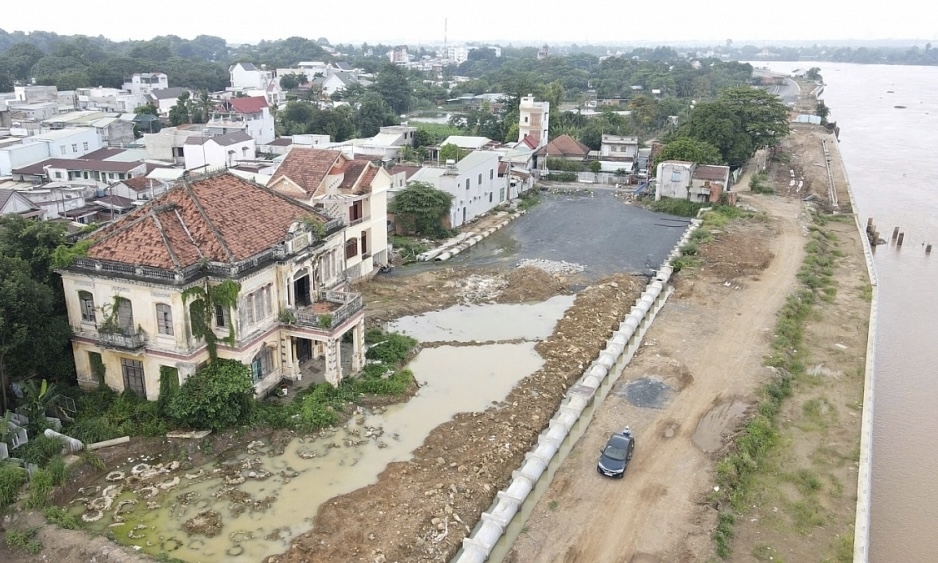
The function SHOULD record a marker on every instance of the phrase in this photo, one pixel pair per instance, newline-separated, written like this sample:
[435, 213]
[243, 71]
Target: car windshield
[615, 453]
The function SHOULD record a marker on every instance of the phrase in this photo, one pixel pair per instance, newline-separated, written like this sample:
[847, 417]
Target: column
[288, 356]
[358, 346]
[331, 360]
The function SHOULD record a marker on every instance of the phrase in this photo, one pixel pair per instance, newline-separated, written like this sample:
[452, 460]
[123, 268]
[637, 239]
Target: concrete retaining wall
[861, 531]
[462, 241]
[501, 524]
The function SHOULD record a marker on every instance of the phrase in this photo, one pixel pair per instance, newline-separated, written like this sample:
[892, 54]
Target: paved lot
[595, 230]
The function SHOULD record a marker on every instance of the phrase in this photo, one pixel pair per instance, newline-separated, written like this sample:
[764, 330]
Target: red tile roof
[353, 171]
[138, 184]
[306, 167]
[250, 104]
[220, 218]
[711, 172]
[565, 146]
[531, 141]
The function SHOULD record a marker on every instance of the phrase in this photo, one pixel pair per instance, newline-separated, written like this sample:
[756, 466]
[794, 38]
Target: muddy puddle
[721, 419]
[486, 323]
[252, 505]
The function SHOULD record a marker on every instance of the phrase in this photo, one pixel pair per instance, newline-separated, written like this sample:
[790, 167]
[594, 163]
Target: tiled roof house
[355, 190]
[125, 297]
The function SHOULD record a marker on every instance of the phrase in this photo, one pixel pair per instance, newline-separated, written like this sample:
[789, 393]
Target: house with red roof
[249, 114]
[352, 189]
[288, 319]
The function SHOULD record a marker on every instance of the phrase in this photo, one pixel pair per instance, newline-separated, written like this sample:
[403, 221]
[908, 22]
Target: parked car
[615, 457]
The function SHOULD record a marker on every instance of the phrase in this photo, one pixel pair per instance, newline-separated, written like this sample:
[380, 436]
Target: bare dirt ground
[707, 344]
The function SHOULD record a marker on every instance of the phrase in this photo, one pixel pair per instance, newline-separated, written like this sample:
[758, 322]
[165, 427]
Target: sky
[514, 21]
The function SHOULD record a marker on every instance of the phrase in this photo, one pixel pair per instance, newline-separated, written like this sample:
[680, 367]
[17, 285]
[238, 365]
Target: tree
[813, 73]
[822, 111]
[690, 150]
[393, 87]
[719, 125]
[20, 58]
[146, 109]
[33, 337]
[763, 116]
[289, 81]
[179, 113]
[373, 113]
[595, 166]
[644, 111]
[449, 152]
[217, 396]
[421, 209]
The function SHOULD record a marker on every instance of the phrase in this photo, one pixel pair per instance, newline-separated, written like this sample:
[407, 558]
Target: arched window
[351, 248]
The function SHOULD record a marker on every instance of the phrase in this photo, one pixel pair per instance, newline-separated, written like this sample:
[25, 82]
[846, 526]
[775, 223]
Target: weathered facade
[132, 318]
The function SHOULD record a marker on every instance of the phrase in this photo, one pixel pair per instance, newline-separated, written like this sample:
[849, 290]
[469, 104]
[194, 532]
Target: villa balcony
[330, 310]
[117, 340]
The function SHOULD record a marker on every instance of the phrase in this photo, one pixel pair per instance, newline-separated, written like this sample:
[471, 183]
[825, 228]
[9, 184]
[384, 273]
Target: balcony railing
[348, 305]
[184, 275]
[360, 220]
[132, 341]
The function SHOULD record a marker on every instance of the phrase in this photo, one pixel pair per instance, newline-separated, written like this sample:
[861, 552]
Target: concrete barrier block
[614, 348]
[597, 370]
[591, 381]
[606, 359]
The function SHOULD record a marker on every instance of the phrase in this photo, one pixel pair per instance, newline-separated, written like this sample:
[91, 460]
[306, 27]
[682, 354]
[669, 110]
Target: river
[889, 153]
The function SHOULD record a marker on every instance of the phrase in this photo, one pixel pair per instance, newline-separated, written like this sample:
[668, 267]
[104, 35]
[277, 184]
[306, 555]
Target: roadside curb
[501, 524]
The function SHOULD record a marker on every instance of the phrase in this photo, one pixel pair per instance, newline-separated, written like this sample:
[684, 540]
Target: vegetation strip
[735, 472]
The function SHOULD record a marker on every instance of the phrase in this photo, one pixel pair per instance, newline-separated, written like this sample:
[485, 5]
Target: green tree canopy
[763, 116]
[179, 113]
[718, 125]
[421, 209]
[393, 87]
[691, 150]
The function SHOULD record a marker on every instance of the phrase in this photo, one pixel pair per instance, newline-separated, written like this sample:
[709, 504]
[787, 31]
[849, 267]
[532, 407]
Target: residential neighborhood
[262, 296]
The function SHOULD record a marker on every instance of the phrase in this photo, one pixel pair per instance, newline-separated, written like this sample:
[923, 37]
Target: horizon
[505, 24]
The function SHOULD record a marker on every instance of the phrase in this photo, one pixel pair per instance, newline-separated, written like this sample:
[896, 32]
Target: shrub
[529, 199]
[12, 478]
[169, 384]
[397, 384]
[93, 429]
[679, 207]
[216, 397]
[23, 540]
[58, 470]
[40, 450]
[562, 177]
[40, 487]
[61, 518]
[394, 349]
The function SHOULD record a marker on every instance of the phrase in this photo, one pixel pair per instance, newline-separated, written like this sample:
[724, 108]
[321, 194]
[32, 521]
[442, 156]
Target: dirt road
[709, 356]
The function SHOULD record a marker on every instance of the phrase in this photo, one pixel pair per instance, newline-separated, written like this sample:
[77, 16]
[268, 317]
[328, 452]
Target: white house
[353, 190]
[167, 145]
[534, 120]
[67, 143]
[473, 182]
[335, 82]
[674, 179]
[386, 145]
[143, 83]
[109, 99]
[218, 150]
[251, 115]
[164, 99]
[14, 203]
[246, 75]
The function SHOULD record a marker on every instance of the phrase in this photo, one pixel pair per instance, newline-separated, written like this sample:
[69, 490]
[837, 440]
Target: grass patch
[701, 236]
[843, 548]
[529, 199]
[553, 505]
[723, 535]
[764, 553]
[40, 489]
[62, 518]
[866, 291]
[679, 207]
[817, 414]
[409, 247]
[12, 479]
[759, 184]
[23, 540]
[736, 473]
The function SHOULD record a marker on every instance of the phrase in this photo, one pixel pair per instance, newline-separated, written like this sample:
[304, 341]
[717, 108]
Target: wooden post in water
[895, 233]
[928, 249]
[901, 236]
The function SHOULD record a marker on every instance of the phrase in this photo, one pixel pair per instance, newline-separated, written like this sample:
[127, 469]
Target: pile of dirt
[206, 523]
[435, 499]
[530, 284]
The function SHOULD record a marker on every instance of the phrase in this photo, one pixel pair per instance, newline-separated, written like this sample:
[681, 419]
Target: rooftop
[220, 218]
[565, 145]
[306, 167]
[221, 140]
[39, 169]
[250, 104]
[712, 172]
